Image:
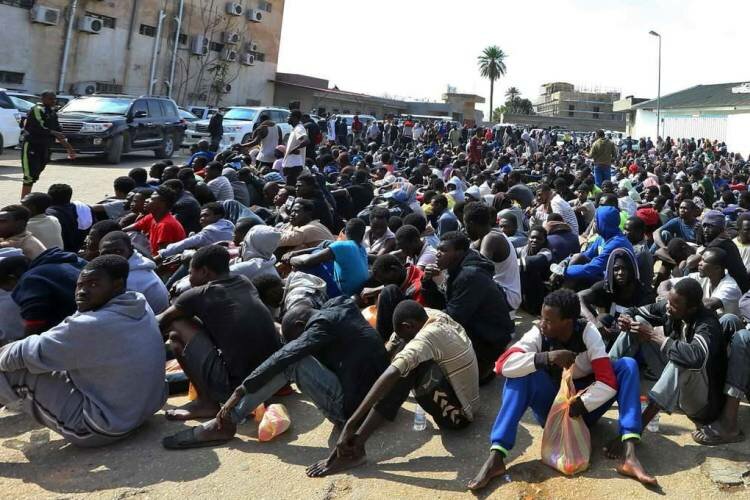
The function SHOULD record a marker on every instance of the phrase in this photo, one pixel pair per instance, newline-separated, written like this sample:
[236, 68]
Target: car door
[173, 123]
[156, 124]
[281, 118]
[139, 125]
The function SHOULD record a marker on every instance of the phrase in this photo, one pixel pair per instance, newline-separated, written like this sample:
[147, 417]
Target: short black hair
[117, 236]
[166, 194]
[139, 175]
[508, 216]
[408, 233]
[539, 229]
[104, 227]
[214, 165]
[416, 220]
[265, 282]
[386, 262]
[457, 239]
[691, 290]
[175, 185]
[379, 212]
[408, 310]
[355, 229]
[37, 202]
[441, 200]
[307, 205]
[638, 223]
[215, 208]
[115, 266]
[18, 212]
[566, 302]
[395, 222]
[213, 257]
[719, 253]
[477, 212]
[60, 194]
[543, 188]
[124, 184]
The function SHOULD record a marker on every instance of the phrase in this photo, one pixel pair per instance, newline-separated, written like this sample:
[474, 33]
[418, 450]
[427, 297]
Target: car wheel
[115, 149]
[247, 138]
[167, 148]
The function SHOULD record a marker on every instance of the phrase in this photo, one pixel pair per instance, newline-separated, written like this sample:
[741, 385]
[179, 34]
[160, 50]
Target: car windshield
[247, 115]
[99, 105]
[187, 115]
[21, 104]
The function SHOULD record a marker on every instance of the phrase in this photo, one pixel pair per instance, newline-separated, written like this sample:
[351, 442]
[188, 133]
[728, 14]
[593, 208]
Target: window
[24, 4]
[216, 46]
[183, 37]
[147, 30]
[11, 77]
[107, 22]
[154, 109]
[5, 102]
[139, 105]
[259, 56]
[595, 114]
[571, 110]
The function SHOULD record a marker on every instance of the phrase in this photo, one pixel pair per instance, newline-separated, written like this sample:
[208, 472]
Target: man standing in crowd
[216, 129]
[603, 153]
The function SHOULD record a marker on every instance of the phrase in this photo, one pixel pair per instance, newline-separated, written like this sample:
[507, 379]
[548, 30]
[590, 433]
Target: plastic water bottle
[420, 419]
[653, 425]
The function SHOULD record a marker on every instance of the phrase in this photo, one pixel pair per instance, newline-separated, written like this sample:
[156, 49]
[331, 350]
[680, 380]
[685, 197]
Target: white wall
[738, 133]
[644, 125]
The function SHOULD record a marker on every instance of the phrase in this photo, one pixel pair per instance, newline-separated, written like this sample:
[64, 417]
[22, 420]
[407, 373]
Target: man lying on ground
[98, 375]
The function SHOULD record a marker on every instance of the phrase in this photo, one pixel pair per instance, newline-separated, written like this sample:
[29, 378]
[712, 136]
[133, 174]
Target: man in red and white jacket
[533, 367]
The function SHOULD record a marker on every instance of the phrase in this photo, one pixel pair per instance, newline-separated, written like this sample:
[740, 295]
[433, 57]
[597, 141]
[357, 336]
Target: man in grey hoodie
[215, 228]
[99, 374]
[142, 278]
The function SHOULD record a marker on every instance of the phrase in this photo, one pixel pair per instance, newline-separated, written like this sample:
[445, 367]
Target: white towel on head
[84, 215]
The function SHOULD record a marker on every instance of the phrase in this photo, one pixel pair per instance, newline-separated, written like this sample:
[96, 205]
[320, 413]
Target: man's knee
[625, 366]
[182, 331]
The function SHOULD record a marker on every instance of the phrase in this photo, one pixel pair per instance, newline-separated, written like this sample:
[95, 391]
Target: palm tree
[492, 66]
[512, 93]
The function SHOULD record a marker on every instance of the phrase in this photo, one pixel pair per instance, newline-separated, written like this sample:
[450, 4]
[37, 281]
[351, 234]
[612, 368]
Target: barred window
[147, 30]
[11, 77]
[24, 4]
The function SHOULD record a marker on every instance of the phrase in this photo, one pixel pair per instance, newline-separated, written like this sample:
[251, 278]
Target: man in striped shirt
[533, 367]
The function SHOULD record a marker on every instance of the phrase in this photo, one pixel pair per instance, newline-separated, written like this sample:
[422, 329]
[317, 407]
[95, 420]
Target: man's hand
[158, 259]
[296, 261]
[233, 400]
[430, 272]
[645, 332]
[624, 321]
[562, 358]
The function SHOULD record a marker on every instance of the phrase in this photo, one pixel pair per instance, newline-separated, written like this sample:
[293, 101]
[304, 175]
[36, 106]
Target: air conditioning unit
[234, 9]
[251, 47]
[45, 15]
[199, 45]
[90, 24]
[230, 37]
[229, 55]
[255, 15]
[248, 59]
[223, 88]
[83, 88]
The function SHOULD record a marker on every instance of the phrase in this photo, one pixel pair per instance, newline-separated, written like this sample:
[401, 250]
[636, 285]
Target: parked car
[21, 105]
[239, 124]
[365, 119]
[10, 118]
[34, 99]
[202, 112]
[111, 125]
[187, 115]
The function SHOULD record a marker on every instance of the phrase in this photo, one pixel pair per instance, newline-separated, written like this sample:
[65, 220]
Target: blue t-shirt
[678, 229]
[350, 266]
[208, 155]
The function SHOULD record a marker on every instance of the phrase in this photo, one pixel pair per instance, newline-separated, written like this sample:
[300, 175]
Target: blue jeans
[538, 391]
[312, 378]
[602, 173]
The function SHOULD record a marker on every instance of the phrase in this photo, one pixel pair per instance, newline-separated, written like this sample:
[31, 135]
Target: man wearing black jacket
[690, 356]
[216, 129]
[333, 355]
[472, 298]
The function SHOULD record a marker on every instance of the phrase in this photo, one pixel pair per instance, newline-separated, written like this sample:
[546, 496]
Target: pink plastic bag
[566, 442]
[274, 420]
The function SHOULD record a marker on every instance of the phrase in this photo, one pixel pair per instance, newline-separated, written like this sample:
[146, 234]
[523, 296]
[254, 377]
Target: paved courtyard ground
[35, 463]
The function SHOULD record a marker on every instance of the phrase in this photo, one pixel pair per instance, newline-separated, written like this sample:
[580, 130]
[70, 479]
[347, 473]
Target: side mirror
[138, 114]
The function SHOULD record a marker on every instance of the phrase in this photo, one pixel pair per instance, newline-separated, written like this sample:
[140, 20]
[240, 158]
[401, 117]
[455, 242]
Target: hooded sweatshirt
[610, 237]
[256, 253]
[114, 356]
[241, 194]
[477, 303]
[143, 279]
[45, 292]
[221, 230]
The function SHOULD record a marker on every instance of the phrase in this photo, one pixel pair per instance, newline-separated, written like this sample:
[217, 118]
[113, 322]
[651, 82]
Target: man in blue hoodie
[589, 267]
[97, 376]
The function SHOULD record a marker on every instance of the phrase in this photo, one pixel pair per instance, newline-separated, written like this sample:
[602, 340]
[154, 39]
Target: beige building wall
[120, 57]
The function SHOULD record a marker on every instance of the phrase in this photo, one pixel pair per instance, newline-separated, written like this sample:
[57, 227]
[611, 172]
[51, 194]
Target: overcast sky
[415, 48]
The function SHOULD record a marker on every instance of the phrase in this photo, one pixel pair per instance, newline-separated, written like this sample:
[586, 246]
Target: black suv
[111, 125]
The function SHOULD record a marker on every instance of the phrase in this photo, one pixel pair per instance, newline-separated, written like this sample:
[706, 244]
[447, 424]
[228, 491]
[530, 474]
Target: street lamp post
[658, 87]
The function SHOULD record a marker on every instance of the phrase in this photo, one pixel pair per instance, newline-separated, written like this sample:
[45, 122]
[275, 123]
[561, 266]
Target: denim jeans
[738, 371]
[602, 173]
[312, 378]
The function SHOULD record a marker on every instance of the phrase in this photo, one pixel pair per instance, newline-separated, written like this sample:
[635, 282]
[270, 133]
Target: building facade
[226, 52]
[563, 99]
[717, 112]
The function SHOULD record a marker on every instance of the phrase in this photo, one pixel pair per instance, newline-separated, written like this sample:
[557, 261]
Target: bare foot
[336, 463]
[492, 468]
[631, 467]
[193, 410]
[615, 448]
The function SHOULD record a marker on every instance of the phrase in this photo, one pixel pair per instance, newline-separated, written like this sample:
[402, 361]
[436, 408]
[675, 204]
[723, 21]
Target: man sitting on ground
[98, 375]
[159, 225]
[532, 368]
[302, 231]
[44, 227]
[142, 277]
[411, 246]
[219, 332]
[333, 355]
[214, 228]
[437, 363]
[13, 232]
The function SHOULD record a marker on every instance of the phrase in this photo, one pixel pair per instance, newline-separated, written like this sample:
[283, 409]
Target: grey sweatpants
[53, 401]
[738, 370]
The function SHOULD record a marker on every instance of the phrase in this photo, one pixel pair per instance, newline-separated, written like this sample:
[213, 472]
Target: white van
[239, 123]
[10, 119]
